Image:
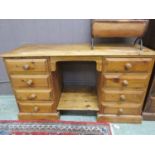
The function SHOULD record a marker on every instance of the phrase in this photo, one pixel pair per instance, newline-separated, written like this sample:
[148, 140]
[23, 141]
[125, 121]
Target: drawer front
[30, 81]
[35, 107]
[135, 81]
[121, 109]
[122, 96]
[26, 65]
[127, 65]
[34, 95]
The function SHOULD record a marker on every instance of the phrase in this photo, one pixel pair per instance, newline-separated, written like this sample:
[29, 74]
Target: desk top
[43, 50]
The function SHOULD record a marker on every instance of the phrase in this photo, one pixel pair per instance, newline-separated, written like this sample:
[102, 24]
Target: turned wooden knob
[128, 66]
[120, 111]
[29, 82]
[26, 67]
[125, 83]
[32, 96]
[122, 98]
[36, 109]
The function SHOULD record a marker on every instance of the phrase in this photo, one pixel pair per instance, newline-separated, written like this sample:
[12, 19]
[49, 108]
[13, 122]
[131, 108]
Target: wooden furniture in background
[149, 37]
[118, 29]
[123, 74]
[149, 108]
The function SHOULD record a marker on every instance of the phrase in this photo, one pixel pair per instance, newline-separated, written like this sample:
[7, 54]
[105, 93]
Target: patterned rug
[53, 128]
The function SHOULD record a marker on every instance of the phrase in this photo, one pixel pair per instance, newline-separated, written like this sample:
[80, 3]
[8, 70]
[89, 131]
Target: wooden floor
[78, 101]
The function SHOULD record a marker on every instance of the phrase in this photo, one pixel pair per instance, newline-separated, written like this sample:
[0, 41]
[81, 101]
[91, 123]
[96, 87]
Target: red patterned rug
[53, 128]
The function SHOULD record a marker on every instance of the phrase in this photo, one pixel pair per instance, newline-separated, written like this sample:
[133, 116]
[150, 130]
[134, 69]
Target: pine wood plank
[119, 119]
[78, 101]
[38, 116]
[43, 50]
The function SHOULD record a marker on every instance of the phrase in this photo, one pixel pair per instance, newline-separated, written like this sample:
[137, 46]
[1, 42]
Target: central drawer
[120, 80]
[130, 96]
[127, 65]
[30, 81]
[34, 94]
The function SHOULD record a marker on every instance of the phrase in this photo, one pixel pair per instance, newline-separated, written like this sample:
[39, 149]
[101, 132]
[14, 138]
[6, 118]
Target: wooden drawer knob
[29, 82]
[120, 111]
[26, 67]
[128, 66]
[122, 98]
[36, 109]
[125, 83]
[32, 97]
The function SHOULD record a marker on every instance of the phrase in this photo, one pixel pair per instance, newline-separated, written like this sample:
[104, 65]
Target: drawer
[121, 109]
[31, 107]
[34, 94]
[130, 96]
[127, 65]
[26, 65]
[125, 81]
[30, 81]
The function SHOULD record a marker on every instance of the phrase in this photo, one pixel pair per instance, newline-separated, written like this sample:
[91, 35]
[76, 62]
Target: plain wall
[14, 33]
